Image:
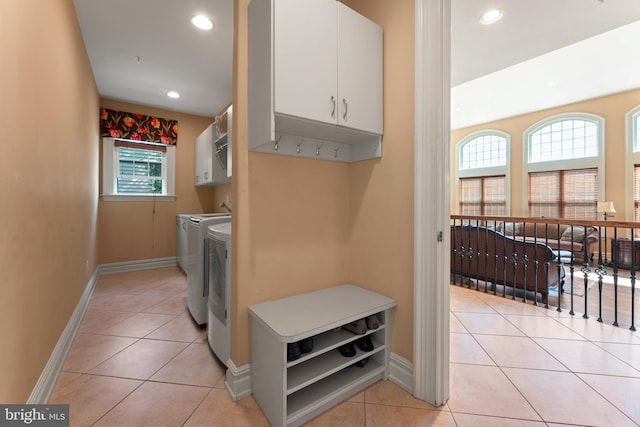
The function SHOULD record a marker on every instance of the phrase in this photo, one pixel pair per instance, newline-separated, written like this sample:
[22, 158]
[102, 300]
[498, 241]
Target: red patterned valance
[138, 127]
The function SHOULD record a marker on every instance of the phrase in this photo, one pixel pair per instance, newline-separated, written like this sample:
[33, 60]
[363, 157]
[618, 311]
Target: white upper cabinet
[315, 80]
[359, 71]
[213, 152]
[306, 59]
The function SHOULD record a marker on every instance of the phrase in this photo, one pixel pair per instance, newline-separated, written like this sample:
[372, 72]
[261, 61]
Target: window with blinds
[636, 193]
[140, 168]
[571, 194]
[483, 196]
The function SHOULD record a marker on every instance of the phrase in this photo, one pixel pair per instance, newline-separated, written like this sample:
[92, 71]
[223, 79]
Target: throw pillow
[578, 234]
[510, 230]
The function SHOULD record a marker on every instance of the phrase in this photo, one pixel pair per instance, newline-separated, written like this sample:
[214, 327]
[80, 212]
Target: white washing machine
[182, 240]
[197, 276]
[219, 312]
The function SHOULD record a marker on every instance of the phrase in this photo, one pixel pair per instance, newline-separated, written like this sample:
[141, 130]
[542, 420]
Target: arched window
[482, 169]
[563, 166]
[633, 160]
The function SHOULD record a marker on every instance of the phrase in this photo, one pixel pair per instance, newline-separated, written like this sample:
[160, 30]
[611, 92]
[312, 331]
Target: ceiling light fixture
[551, 83]
[491, 16]
[202, 22]
[173, 94]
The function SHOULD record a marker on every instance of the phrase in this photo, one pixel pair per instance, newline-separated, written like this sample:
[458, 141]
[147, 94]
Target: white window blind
[483, 196]
[564, 194]
[140, 168]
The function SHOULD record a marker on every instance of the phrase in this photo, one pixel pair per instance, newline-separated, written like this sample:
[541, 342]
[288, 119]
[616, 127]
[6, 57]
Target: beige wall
[131, 231]
[49, 181]
[301, 224]
[612, 108]
[381, 191]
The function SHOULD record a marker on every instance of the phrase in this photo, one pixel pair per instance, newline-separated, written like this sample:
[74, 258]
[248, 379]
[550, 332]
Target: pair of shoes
[362, 362]
[293, 351]
[358, 327]
[296, 349]
[347, 350]
[306, 345]
[361, 326]
[365, 343]
[372, 321]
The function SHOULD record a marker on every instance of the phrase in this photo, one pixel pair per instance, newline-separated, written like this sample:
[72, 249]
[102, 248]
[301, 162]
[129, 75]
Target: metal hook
[335, 152]
[275, 146]
[298, 146]
[318, 147]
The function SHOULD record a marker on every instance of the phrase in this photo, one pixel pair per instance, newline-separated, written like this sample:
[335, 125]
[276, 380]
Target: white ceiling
[498, 71]
[588, 47]
[174, 55]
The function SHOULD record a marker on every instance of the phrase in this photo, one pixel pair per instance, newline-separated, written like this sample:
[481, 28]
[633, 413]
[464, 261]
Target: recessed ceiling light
[202, 22]
[458, 109]
[491, 16]
[173, 94]
[551, 83]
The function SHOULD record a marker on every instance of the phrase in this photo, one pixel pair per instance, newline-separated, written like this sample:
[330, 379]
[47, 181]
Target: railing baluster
[514, 261]
[477, 254]
[486, 255]
[505, 251]
[525, 262]
[504, 267]
[571, 270]
[633, 280]
[585, 271]
[495, 264]
[547, 264]
[614, 261]
[536, 264]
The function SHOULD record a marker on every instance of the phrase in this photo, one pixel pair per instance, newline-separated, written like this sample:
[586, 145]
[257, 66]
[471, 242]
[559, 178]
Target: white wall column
[431, 245]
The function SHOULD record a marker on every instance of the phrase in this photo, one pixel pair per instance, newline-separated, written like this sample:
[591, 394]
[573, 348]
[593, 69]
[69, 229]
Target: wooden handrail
[563, 221]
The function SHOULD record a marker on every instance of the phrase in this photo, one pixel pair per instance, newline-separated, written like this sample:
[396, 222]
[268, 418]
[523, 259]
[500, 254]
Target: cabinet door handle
[333, 102]
[346, 108]
[206, 175]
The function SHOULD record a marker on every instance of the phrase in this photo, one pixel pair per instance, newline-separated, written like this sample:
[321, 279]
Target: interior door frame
[431, 200]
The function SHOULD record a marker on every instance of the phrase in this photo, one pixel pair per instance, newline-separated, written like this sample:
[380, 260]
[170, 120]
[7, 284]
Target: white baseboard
[238, 381]
[401, 372]
[47, 381]
[143, 264]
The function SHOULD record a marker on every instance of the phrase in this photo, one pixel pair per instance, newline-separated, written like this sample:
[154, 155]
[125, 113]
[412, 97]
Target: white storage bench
[292, 392]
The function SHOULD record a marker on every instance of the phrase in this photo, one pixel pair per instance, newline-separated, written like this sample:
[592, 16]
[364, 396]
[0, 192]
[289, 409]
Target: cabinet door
[204, 156]
[359, 71]
[197, 160]
[305, 59]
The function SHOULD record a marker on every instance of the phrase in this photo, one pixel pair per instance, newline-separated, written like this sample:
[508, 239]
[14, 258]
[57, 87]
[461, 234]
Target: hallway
[139, 359]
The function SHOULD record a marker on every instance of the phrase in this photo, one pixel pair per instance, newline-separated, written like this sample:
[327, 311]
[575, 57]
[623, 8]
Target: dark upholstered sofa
[487, 255]
[581, 241]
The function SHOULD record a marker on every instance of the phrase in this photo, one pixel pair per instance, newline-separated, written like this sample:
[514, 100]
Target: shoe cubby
[291, 392]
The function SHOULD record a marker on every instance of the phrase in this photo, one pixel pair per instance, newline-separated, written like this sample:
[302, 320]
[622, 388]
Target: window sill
[137, 198]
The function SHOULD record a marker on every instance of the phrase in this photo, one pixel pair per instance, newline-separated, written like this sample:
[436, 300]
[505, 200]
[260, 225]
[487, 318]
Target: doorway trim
[431, 200]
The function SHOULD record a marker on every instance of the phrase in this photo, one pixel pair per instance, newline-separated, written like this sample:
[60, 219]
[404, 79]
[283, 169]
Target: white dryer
[197, 276]
[219, 313]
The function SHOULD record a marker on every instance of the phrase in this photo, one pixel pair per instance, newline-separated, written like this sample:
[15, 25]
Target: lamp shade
[606, 207]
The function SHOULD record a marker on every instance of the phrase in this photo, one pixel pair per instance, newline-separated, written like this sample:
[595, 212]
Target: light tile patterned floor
[139, 360]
